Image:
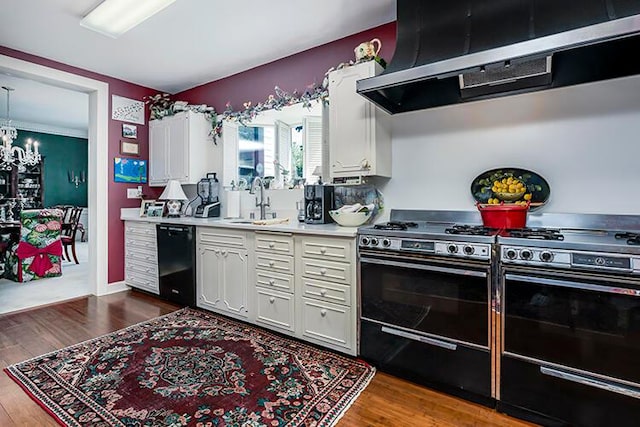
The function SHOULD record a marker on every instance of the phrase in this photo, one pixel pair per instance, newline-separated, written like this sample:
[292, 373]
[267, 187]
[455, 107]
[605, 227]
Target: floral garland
[161, 105]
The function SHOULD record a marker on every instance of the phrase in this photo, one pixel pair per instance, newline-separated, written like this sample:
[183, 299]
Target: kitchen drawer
[273, 262]
[328, 249]
[140, 230]
[326, 322]
[279, 243]
[140, 226]
[326, 291]
[326, 270]
[135, 243]
[210, 236]
[141, 267]
[142, 281]
[141, 255]
[275, 309]
[271, 280]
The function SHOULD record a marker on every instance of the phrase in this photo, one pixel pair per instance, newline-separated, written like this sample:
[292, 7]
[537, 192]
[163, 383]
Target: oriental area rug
[191, 368]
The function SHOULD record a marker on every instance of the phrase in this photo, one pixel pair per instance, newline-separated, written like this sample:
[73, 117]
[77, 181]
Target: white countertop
[133, 214]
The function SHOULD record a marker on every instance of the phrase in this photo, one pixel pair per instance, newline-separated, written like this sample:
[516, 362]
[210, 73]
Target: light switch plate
[133, 193]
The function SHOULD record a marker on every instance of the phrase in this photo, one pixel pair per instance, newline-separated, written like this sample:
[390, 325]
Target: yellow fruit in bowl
[527, 196]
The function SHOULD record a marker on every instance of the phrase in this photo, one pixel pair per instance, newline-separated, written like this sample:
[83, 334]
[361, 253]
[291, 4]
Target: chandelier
[11, 156]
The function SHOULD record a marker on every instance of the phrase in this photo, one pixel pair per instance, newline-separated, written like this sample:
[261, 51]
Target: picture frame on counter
[129, 148]
[155, 211]
[144, 206]
[129, 131]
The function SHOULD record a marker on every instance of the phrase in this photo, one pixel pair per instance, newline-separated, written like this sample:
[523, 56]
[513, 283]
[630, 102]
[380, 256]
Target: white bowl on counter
[350, 219]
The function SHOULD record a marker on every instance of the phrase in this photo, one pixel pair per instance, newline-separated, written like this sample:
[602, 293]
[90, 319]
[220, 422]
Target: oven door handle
[591, 382]
[424, 267]
[575, 285]
[431, 341]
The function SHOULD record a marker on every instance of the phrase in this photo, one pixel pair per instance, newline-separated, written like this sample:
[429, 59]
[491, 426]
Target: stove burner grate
[474, 230]
[632, 238]
[395, 225]
[536, 233]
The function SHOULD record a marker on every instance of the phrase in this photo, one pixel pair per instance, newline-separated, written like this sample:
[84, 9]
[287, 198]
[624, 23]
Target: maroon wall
[117, 191]
[294, 72]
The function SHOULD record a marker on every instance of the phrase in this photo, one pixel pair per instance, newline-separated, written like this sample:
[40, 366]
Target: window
[256, 152]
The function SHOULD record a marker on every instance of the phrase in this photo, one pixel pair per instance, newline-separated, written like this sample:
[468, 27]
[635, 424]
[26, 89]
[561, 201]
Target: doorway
[97, 173]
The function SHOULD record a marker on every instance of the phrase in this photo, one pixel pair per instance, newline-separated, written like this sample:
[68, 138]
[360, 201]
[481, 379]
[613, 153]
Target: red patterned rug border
[230, 326]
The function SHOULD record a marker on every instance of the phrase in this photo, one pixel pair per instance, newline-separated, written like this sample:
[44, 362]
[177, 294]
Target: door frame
[98, 139]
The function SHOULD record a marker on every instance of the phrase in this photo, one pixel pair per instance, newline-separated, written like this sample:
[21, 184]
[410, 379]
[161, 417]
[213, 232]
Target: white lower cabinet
[141, 256]
[326, 291]
[222, 270]
[299, 285]
[275, 309]
[274, 290]
[327, 323]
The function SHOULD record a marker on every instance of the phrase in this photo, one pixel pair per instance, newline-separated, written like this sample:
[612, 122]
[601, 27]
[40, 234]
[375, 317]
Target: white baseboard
[115, 287]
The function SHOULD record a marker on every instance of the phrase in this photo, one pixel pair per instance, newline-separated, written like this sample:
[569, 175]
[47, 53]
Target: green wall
[60, 154]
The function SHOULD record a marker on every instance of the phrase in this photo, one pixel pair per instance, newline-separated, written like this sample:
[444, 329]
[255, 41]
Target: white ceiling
[189, 43]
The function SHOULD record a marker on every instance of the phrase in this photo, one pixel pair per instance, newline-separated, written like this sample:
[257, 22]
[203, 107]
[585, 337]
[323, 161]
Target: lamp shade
[173, 191]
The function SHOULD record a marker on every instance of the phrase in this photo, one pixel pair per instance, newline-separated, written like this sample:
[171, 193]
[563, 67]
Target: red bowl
[504, 215]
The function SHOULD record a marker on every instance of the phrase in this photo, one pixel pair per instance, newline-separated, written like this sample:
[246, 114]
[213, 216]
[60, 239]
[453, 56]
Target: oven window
[595, 331]
[449, 305]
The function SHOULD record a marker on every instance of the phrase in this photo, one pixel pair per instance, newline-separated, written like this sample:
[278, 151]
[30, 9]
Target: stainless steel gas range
[543, 321]
[426, 293]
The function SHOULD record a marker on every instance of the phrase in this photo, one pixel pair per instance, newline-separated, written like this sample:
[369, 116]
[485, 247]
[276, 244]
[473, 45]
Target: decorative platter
[510, 185]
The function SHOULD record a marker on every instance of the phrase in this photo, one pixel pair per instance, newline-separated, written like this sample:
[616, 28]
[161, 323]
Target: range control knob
[469, 250]
[600, 261]
[526, 254]
[452, 249]
[511, 254]
[386, 243]
[374, 241]
[365, 241]
[546, 256]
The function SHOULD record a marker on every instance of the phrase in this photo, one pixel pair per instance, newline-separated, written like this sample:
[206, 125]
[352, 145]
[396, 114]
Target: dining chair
[70, 227]
[39, 251]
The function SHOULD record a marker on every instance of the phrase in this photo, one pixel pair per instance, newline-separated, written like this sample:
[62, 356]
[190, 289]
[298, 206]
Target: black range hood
[454, 51]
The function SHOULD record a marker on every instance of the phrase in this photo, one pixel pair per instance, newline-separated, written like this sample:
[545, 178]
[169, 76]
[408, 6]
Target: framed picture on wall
[129, 131]
[129, 148]
[129, 170]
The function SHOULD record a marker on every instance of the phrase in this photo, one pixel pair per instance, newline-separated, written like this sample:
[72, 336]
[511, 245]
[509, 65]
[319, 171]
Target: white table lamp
[174, 195]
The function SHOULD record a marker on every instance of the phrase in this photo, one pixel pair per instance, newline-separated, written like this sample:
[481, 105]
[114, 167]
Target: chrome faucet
[257, 181]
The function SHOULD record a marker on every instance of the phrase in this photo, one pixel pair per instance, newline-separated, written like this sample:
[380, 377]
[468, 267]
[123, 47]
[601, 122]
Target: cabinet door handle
[217, 251]
[224, 252]
[272, 282]
[272, 263]
[323, 271]
[272, 300]
[272, 245]
[323, 251]
[323, 292]
[323, 312]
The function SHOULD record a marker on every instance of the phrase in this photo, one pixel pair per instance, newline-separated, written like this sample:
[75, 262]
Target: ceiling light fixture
[11, 156]
[115, 17]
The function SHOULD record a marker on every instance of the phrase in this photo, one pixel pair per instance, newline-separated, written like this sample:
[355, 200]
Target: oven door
[448, 300]
[571, 346]
[427, 321]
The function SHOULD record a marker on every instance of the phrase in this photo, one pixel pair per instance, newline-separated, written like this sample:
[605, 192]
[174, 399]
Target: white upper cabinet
[180, 148]
[359, 132]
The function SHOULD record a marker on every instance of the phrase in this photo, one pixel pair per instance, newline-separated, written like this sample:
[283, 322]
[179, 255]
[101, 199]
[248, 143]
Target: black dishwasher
[176, 263]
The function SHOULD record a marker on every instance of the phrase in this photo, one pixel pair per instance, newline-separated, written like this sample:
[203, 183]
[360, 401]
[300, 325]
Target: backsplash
[583, 140]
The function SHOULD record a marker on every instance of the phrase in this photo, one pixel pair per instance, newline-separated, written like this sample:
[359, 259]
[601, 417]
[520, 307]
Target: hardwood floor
[387, 401]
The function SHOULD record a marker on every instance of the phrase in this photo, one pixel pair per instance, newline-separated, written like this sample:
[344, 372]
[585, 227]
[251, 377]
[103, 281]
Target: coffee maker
[318, 201]
[209, 192]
